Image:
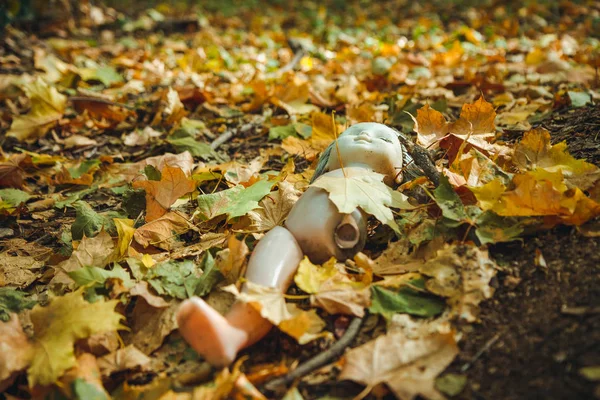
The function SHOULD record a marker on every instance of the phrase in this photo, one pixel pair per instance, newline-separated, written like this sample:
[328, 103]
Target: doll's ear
[323, 164]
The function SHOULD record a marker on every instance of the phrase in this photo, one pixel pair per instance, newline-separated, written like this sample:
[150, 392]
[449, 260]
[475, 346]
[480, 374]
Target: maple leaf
[292, 97]
[535, 151]
[160, 195]
[332, 289]
[59, 325]
[47, 107]
[476, 119]
[162, 231]
[234, 202]
[366, 190]
[430, 126]
[407, 366]
[463, 275]
[274, 209]
[407, 298]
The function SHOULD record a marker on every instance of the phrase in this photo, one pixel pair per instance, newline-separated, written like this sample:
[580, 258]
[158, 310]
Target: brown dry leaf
[232, 260]
[184, 160]
[172, 109]
[299, 147]
[79, 141]
[240, 173]
[97, 252]
[162, 231]
[123, 359]
[18, 271]
[160, 195]
[11, 171]
[463, 275]
[407, 366]
[476, 120]
[260, 96]
[47, 107]
[535, 151]
[274, 208]
[15, 350]
[141, 289]
[324, 130]
[430, 126]
[397, 258]
[292, 96]
[342, 299]
[150, 325]
[364, 113]
[100, 108]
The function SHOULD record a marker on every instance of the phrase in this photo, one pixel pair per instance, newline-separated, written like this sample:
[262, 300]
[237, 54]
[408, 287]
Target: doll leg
[219, 338]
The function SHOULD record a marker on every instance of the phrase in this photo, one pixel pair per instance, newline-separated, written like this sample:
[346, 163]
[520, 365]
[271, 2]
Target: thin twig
[320, 359]
[485, 348]
[222, 138]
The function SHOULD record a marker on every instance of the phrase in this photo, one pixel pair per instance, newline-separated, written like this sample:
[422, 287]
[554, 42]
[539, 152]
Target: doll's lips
[363, 138]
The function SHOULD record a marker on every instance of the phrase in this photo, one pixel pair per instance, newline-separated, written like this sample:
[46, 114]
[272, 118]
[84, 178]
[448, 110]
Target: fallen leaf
[407, 366]
[162, 231]
[13, 301]
[160, 195]
[365, 190]
[430, 126]
[59, 325]
[141, 289]
[535, 151]
[409, 298]
[127, 358]
[463, 275]
[150, 326]
[47, 107]
[19, 271]
[83, 381]
[274, 208]
[17, 350]
[125, 230]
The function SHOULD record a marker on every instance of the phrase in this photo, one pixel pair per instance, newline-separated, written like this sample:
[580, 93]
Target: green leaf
[492, 228]
[210, 277]
[579, 99]
[87, 221]
[83, 390]
[73, 197]
[11, 198]
[281, 132]
[176, 279]
[89, 275]
[83, 168]
[152, 173]
[388, 302]
[13, 301]
[198, 149]
[234, 202]
[449, 202]
[451, 384]
[105, 74]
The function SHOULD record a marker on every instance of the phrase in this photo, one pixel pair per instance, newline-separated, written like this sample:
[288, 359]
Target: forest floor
[117, 127]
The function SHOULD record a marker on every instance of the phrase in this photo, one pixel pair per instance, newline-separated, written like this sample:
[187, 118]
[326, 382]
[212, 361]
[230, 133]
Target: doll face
[371, 145]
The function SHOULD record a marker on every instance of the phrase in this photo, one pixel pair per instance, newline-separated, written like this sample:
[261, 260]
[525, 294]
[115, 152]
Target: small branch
[321, 359]
[224, 137]
[422, 159]
[485, 348]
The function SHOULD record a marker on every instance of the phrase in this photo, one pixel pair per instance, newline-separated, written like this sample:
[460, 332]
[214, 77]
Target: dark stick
[321, 359]
[422, 159]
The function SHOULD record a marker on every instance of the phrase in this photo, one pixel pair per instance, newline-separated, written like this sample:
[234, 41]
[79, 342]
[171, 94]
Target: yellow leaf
[125, 230]
[430, 126]
[310, 277]
[300, 147]
[148, 261]
[47, 107]
[59, 325]
[357, 188]
[489, 194]
[323, 131]
[160, 195]
[535, 151]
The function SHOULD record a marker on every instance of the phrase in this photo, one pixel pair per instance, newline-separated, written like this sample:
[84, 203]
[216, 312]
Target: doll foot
[209, 333]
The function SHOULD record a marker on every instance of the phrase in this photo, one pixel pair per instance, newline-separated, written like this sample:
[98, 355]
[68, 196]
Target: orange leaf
[430, 126]
[475, 119]
[160, 195]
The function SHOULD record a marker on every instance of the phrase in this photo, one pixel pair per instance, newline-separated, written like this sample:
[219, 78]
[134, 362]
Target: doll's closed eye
[385, 139]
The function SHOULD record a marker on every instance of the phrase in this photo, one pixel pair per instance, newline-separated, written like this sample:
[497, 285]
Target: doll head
[367, 144]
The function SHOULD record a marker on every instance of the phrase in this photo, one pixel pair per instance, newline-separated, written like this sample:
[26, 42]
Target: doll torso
[313, 222]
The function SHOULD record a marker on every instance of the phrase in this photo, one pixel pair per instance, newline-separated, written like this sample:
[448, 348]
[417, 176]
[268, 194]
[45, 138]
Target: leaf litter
[150, 175]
